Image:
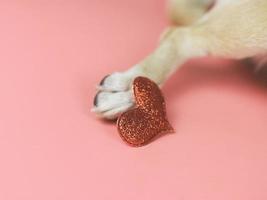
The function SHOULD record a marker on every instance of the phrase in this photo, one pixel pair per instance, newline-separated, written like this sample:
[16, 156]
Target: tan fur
[231, 29]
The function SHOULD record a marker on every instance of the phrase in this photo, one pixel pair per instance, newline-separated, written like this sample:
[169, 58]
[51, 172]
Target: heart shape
[141, 124]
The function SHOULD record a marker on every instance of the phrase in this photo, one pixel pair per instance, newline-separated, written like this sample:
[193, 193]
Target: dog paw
[114, 96]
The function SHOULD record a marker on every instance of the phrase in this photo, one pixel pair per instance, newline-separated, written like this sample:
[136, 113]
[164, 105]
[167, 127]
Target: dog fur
[234, 29]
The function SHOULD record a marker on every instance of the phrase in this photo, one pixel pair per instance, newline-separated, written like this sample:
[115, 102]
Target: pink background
[52, 55]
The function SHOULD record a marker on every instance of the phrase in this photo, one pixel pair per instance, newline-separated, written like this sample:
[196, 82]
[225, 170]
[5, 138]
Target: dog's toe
[114, 95]
[115, 82]
[110, 104]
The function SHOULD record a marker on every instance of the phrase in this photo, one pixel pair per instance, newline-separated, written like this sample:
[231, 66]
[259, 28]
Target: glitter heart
[140, 125]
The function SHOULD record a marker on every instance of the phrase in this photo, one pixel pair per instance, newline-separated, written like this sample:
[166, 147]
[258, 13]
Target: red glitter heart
[140, 125]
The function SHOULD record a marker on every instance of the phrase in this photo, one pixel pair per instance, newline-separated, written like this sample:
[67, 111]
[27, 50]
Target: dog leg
[186, 12]
[222, 33]
[115, 92]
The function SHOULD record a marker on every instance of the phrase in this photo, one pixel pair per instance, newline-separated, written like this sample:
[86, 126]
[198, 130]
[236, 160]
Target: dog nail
[103, 80]
[96, 99]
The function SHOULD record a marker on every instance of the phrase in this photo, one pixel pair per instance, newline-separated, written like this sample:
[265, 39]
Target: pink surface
[52, 55]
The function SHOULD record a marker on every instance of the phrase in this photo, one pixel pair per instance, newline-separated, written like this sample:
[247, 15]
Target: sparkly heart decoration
[140, 125]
